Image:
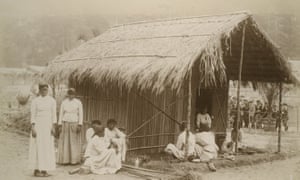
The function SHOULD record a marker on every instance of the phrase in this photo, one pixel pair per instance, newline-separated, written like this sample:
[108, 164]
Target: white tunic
[41, 150]
[71, 111]
[179, 150]
[203, 119]
[115, 133]
[191, 142]
[89, 134]
[101, 159]
[119, 139]
[207, 141]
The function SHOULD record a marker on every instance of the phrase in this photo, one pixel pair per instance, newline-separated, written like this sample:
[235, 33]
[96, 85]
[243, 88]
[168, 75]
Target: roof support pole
[189, 112]
[53, 88]
[238, 89]
[279, 117]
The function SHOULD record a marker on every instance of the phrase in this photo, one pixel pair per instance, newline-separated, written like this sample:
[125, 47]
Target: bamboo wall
[131, 110]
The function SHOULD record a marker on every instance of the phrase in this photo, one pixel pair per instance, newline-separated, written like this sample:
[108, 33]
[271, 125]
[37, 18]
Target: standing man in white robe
[43, 120]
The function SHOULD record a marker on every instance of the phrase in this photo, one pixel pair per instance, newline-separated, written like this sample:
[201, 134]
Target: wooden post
[297, 119]
[238, 89]
[53, 88]
[189, 112]
[280, 115]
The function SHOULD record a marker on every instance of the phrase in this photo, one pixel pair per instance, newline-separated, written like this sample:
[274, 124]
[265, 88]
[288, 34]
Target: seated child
[116, 137]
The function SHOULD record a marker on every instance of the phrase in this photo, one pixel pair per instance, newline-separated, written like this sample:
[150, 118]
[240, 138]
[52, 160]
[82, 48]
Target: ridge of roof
[181, 18]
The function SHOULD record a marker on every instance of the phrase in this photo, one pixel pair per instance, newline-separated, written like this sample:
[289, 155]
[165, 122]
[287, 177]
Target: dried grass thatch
[158, 54]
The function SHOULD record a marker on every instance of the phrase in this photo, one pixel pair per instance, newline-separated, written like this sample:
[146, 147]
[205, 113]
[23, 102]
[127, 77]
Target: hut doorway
[215, 100]
[204, 100]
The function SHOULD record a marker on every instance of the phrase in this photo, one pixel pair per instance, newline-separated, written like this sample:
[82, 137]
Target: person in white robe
[89, 133]
[116, 137]
[178, 150]
[70, 125]
[206, 139]
[100, 158]
[43, 121]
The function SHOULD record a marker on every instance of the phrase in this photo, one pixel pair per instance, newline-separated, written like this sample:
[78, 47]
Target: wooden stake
[238, 89]
[189, 112]
[280, 115]
[297, 119]
[53, 88]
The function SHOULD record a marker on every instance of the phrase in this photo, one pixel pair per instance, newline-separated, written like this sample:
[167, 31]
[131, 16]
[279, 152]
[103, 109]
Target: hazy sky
[130, 7]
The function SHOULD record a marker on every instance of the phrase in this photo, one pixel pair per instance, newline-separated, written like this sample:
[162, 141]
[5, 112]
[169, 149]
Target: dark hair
[111, 121]
[98, 122]
[182, 126]
[71, 91]
[43, 85]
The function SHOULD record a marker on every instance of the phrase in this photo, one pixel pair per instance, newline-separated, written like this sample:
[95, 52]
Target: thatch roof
[159, 54]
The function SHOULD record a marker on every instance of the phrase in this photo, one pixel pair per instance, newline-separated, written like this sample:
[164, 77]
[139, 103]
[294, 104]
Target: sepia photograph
[150, 90]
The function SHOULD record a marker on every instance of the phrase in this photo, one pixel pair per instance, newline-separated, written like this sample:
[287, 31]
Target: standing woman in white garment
[70, 124]
[43, 121]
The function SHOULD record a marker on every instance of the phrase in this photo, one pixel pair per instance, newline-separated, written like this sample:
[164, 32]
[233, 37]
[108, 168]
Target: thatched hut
[141, 73]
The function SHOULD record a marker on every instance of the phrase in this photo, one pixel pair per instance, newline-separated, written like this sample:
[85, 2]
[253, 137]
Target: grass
[16, 120]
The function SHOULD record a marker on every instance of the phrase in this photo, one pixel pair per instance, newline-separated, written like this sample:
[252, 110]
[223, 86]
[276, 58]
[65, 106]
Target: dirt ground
[13, 162]
[279, 170]
[14, 153]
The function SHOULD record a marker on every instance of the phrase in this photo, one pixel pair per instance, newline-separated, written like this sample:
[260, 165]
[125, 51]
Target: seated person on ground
[99, 157]
[116, 137]
[206, 139]
[178, 150]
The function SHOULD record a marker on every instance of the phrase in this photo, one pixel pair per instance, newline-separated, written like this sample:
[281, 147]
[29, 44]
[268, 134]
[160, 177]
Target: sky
[27, 8]
[116, 10]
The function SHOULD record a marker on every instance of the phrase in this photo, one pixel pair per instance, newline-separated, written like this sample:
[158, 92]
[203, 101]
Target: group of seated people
[106, 146]
[201, 145]
[105, 149]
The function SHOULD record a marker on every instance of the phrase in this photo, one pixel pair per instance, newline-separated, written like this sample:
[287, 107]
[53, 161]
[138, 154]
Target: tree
[270, 93]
